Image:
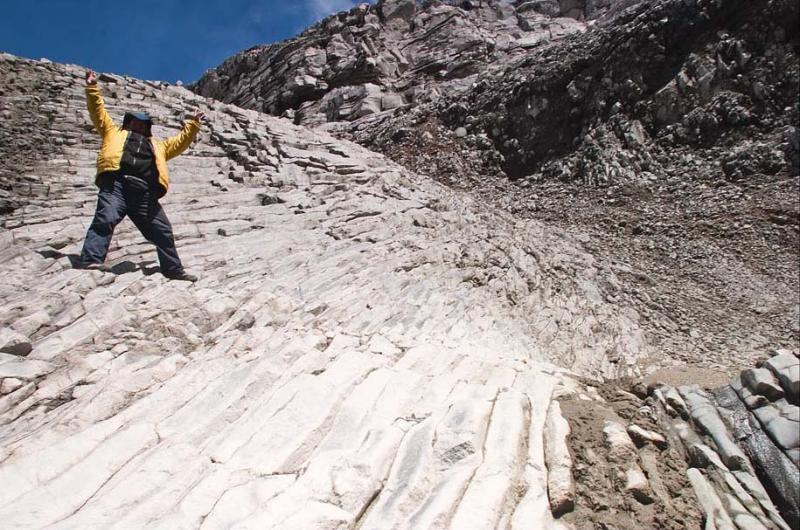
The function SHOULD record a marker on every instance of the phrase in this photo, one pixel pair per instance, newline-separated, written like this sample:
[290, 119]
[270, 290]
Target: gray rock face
[704, 413]
[781, 420]
[642, 436]
[558, 114]
[364, 348]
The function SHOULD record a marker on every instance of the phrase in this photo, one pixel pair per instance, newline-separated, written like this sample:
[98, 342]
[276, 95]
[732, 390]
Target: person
[132, 176]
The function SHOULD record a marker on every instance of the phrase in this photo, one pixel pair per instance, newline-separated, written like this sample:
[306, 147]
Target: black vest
[138, 160]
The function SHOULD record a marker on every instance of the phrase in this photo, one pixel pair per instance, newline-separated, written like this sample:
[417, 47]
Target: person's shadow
[148, 268]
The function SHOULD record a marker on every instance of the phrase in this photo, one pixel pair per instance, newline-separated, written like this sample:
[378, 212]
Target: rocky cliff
[388, 55]
[569, 90]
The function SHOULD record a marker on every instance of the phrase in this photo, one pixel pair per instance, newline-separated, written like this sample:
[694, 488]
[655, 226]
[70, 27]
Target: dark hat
[139, 116]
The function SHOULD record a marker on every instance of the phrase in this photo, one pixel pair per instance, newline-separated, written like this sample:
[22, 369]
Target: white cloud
[323, 8]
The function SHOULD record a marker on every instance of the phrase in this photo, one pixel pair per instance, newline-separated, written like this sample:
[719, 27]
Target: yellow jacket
[110, 155]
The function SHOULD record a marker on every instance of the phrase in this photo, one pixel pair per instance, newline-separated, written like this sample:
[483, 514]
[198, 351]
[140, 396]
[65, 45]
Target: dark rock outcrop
[735, 438]
[593, 92]
[386, 56]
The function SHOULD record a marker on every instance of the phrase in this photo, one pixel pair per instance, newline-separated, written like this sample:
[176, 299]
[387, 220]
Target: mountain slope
[347, 312]
[365, 348]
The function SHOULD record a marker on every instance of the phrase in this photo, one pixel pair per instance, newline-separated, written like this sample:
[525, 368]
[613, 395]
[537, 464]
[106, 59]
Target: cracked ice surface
[370, 351]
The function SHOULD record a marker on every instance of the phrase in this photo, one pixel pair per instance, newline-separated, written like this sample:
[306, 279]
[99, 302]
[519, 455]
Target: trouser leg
[151, 220]
[108, 214]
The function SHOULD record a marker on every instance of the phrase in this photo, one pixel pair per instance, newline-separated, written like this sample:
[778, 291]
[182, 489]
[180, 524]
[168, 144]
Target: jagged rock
[751, 160]
[705, 414]
[32, 323]
[14, 343]
[786, 367]
[637, 485]
[761, 381]
[702, 456]
[717, 518]
[792, 149]
[642, 436]
[620, 126]
[266, 200]
[15, 367]
[782, 421]
[428, 319]
[246, 321]
[10, 384]
[641, 390]
[354, 102]
[622, 453]
[620, 445]
[403, 10]
[560, 484]
[780, 476]
[674, 400]
[750, 399]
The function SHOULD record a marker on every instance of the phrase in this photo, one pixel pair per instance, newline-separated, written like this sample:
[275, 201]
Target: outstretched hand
[91, 77]
[198, 116]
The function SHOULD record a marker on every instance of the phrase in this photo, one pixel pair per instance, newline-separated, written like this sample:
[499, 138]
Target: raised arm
[175, 145]
[97, 109]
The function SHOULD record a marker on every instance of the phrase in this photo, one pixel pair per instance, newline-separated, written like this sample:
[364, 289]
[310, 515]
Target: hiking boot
[181, 275]
[92, 267]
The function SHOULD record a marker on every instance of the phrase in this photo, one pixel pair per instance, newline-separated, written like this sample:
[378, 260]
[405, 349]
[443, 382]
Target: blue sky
[166, 40]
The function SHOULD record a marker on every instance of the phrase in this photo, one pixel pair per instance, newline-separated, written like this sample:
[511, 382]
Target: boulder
[14, 342]
[761, 381]
[781, 420]
[391, 100]
[397, 13]
[786, 367]
[560, 484]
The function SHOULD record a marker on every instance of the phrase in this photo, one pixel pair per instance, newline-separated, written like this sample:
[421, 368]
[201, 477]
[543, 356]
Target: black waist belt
[134, 182]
